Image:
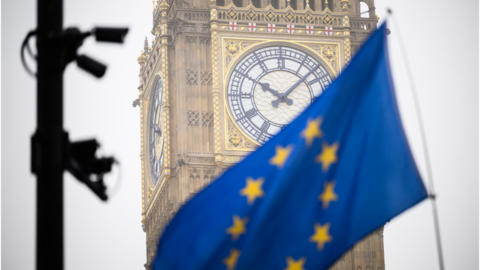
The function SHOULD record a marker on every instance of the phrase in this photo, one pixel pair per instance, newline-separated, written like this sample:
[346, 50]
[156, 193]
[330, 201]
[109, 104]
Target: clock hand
[157, 130]
[283, 96]
[266, 86]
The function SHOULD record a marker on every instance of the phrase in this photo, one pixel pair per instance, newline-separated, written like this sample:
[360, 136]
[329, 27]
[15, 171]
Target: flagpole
[431, 195]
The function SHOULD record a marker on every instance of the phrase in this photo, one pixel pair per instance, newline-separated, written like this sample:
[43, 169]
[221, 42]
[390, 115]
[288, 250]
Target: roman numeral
[261, 63]
[251, 113]
[316, 80]
[265, 127]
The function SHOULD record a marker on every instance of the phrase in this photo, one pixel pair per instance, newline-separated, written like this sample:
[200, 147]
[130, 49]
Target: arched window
[364, 10]
[237, 3]
[293, 4]
[256, 3]
[275, 4]
[221, 3]
[324, 6]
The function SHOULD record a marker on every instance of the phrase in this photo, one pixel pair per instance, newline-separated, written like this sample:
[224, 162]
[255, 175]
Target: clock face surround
[155, 133]
[271, 86]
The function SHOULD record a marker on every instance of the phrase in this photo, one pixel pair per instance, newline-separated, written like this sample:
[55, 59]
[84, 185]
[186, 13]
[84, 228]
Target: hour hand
[280, 99]
[266, 87]
[157, 130]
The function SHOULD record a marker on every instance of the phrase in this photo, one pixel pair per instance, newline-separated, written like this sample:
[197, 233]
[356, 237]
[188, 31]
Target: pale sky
[441, 39]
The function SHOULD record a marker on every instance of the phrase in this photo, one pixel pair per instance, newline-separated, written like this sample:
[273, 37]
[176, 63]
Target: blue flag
[340, 170]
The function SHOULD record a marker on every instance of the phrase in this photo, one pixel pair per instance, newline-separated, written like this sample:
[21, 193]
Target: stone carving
[191, 40]
[194, 173]
[233, 48]
[207, 119]
[193, 118]
[192, 76]
[208, 174]
[236, 141]
[206, 76]
[329, 53]
[205, 40]
[200, 160]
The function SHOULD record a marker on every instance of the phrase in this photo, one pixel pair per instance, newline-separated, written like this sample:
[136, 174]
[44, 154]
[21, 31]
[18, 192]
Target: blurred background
[441, 39]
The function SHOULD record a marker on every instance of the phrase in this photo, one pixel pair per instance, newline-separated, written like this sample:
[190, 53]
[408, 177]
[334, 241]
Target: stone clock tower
[216, 83]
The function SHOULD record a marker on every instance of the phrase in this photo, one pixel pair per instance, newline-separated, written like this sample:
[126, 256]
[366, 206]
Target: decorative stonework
[217, 125]
[233, 48]
[193, 118]
[208, 174]
[194, 173]
[200, 160]
[207, 119]
[236, 141]
[329, 53]
[192, 76]
[348, 54]
[205, 40]
[206, 76]
[191, 40]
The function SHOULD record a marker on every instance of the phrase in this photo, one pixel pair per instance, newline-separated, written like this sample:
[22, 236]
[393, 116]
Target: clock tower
[221, 77]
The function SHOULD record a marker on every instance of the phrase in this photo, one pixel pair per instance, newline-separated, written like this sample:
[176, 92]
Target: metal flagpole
[49, 137]
[424, 143]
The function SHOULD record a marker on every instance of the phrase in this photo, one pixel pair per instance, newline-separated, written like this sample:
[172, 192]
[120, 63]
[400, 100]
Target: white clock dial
[155, 134]
[271, 86]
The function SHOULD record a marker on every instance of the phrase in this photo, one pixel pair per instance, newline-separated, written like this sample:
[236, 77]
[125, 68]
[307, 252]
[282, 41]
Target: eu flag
[340, 170]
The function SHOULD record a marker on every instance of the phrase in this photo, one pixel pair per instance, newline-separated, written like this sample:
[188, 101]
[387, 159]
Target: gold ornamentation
[346, 21]
[251, 15]
[328, 20]
[289, 17]
[270, 16]
[216, 94]
[329, 53]
[141, 59]
[308, 18]
[348, 54]
[233, 48]
[232, 14]
[235, 140]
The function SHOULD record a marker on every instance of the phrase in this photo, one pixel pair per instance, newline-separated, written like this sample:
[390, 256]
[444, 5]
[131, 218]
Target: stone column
[346, 24]
[166, 100]
[217, 125]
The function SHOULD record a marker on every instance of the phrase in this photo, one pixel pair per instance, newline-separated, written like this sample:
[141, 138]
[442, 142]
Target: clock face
[155, 133]
[271, 86]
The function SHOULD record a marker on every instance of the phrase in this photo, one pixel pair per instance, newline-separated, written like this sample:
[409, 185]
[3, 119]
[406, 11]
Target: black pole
[49, 138]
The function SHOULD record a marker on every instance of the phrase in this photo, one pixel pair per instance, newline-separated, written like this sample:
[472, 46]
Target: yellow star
[281, 155]
[328, 194]
[321, 235]
[295, 265]
[238, 227]
[328, 156]
[231, 260]
[312, 130]
[253, 190]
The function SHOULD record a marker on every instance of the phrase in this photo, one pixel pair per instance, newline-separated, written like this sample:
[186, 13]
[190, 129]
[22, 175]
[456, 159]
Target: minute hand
[286, 93]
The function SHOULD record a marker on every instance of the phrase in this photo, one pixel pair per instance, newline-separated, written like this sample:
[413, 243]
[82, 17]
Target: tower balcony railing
[365, 24]
[281, 16]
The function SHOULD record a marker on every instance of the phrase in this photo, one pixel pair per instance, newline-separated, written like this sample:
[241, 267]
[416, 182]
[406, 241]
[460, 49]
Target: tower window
[237, 3]
[364, 10]
[293, 4]
[324, 5]
[275, 4]
[221, 3]
[256, 3]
